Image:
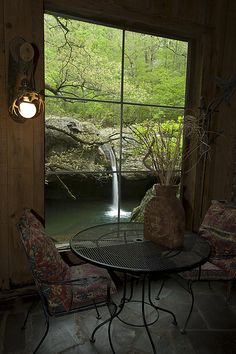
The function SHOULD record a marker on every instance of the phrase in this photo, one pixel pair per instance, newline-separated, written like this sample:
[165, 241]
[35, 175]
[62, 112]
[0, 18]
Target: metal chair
[206, 273]
[219, 229]
[62, 289]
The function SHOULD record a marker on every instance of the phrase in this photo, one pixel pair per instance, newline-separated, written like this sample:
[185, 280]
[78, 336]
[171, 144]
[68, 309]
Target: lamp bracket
[23, 57]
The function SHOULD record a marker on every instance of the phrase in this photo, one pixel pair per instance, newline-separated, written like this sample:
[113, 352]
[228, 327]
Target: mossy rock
[137, 214]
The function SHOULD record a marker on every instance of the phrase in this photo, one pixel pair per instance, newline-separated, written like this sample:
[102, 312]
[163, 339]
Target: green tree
[83, 60]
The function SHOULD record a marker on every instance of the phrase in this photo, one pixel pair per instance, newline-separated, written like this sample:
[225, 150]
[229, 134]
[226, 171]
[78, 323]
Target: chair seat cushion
[221, 216]
[219, 228]
[227, 265]
[209, 271]
[92, 283]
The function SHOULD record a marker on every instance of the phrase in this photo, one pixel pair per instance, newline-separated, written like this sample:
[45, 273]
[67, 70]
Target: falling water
[115, 203]
[114, 181]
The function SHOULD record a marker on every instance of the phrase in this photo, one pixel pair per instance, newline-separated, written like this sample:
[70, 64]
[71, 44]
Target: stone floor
[211, 330]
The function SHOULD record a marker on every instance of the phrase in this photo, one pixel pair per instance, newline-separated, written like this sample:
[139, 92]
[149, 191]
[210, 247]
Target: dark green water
[64, 218]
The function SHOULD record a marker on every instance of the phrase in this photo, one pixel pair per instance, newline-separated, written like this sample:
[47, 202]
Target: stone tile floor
[211, 330]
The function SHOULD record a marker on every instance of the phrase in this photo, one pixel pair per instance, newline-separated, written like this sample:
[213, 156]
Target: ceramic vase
[164, 218]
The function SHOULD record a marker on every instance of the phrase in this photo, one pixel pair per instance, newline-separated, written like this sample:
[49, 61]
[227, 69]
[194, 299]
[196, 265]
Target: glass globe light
[27, 109]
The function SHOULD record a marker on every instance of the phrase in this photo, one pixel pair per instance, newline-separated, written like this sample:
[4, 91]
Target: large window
[102, 84]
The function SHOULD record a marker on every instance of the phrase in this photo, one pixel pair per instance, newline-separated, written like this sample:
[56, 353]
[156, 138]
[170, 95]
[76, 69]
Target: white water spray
[114, 208]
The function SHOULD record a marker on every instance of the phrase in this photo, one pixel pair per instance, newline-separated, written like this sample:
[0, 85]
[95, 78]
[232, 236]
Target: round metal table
[122, 247]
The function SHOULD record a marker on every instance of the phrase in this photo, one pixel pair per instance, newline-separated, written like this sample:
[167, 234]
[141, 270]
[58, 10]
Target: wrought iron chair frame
[187, 284]
[58, 313]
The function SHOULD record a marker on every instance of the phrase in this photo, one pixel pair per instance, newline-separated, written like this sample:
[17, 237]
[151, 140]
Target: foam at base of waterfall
[114, 212]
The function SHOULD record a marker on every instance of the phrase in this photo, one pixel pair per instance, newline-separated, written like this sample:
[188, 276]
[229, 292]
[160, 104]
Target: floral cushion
[46, 263]
[219, 228]
[228, 265]
[209, 271]
[42, 249]
[92, 283]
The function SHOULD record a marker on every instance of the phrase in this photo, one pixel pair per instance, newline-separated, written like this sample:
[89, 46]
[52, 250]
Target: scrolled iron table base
[122, 247]
[127, 300]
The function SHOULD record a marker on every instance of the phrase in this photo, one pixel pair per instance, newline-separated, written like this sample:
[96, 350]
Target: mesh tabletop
[121, 246]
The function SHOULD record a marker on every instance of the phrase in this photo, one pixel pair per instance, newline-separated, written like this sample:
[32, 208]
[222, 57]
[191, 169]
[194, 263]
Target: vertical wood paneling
[189, 10]
[194, 87]
[213, 70]
[221, 171]
[164, 17]
[20, 138]
[204, 178]
[21, 183]
[24, 147]
[38, 124]
[207, 91]
[4, 225]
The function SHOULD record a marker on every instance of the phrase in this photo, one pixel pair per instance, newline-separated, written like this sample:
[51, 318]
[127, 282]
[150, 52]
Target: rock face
[138, 212]
[71, 145]
[75, 151]
[63, 131]
[88, 187]
[78, 146]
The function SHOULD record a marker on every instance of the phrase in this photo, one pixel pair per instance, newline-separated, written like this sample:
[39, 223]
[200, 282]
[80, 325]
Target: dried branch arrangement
[162, 146]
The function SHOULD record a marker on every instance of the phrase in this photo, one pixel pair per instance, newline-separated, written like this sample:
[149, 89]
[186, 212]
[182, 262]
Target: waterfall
[114, 181]
[109, 153]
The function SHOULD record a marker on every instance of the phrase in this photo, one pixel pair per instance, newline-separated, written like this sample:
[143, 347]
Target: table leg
[112, 316]
[144, 317]
[143, 303]
[190, 290]
[116, 313]
[158, 307]
[126, 299]
[92, 338]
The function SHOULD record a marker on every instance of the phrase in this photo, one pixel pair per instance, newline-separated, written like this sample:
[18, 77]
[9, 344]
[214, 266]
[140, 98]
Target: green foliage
[160, 144]
[84, 60]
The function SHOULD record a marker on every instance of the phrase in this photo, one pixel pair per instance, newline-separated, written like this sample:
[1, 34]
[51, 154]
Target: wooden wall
[219, 170]
[208, 25]
[21, 157]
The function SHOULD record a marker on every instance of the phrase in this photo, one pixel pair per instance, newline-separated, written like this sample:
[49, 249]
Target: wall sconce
[24, 101]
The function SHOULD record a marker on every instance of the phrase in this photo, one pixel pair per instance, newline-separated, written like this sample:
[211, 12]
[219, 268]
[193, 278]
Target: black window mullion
[121, 120]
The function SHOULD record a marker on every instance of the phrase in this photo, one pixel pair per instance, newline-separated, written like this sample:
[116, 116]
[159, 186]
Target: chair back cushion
[45, 261]
[219, 228]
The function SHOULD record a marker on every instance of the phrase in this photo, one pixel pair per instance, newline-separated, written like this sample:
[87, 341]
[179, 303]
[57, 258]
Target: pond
[64, 218]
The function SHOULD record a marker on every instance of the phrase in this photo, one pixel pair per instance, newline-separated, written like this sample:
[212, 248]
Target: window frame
[199, 43]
